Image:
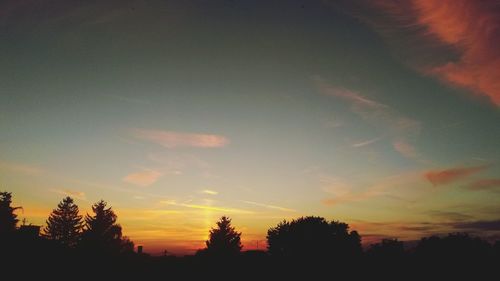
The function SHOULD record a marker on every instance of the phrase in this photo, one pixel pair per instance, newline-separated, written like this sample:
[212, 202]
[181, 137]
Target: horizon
[381, 115]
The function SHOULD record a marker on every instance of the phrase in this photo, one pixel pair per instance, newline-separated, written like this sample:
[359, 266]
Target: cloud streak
[269, 206]
[365, 143]
[398, 127]
[71, 193]
[21, 168]
[448, 176]
[484, 184]
[171, 139]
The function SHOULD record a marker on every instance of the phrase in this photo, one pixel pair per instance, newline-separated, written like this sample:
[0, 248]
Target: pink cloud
[404, 148]
[171, 139]
[447, 176]
[143, 178]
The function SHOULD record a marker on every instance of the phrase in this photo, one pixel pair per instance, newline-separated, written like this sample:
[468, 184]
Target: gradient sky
[382, 114]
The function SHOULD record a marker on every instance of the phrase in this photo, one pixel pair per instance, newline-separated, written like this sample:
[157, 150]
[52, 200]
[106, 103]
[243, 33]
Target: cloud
[443, 177]
[209, 192]
[398, 127]
[21, 168]
[484, 184]
[482, 225]
[187, 204]
[171, 139]
[342, 192]
[449, 215]
[364, 143]
[269, 206]
[214, 208]
[71, 193]
[473, 28]
[455, 41]
[143, 178]
[404, 148]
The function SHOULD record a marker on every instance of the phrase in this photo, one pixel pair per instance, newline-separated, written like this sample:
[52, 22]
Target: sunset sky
[382, 114]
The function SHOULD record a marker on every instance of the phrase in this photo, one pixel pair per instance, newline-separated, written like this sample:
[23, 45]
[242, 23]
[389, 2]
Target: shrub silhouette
[223, 240]
[64, 224]
[8, 219]
[313, 237]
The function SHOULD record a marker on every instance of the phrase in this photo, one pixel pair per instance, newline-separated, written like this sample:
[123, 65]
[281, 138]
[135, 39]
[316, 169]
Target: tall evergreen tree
[224, 240]
[101, 231]
[64, 223]
[8, 219]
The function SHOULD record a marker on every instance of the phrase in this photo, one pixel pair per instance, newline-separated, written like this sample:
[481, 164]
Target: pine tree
[101, 230]
[224, 240]
[8, 219]
[64, 223]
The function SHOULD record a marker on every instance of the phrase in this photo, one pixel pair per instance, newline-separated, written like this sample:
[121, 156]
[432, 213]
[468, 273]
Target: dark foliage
[224, 240]
[102, 233]
[64, 224]
[312, 238]
[8, 219]
[307, 248]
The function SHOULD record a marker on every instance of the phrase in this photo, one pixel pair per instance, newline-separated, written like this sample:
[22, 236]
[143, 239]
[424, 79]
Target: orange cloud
[434, 29]
[443, 177]
[170, 139]
[143, 178]
[485, 184]
[472, 27]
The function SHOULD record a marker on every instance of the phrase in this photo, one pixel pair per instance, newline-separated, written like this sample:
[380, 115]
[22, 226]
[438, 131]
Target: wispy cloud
[470, 30]
[447, 176]
[71, 193]
[484, 184]
[482, 225]
[269, 206]
[396, 126]
[21, 168]
[367, 142]
[209, 192]
[143, 178]
[341, 192]
[404, 148]
[171, 139]
[208, 206]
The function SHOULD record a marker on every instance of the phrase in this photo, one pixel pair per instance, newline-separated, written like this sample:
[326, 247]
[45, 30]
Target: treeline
[306, 246]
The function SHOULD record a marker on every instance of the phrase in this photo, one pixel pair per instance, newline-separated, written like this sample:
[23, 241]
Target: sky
[381, 114]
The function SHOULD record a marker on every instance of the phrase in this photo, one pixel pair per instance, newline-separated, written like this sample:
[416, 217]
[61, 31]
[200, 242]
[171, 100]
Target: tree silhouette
[387, 249]
[224, 240]
[313, 237]
[101, 231]
[8, 219]
[64, 223]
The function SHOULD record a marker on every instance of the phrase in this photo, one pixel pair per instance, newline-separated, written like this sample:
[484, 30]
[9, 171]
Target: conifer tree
[64, 223]
[224, 240]
[8, 219]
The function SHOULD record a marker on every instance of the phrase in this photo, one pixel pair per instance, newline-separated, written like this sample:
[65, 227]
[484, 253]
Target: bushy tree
[8, 219]
[313, 237]
[102, 233]
[392, 249]
[64, 223]
[224, 240]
